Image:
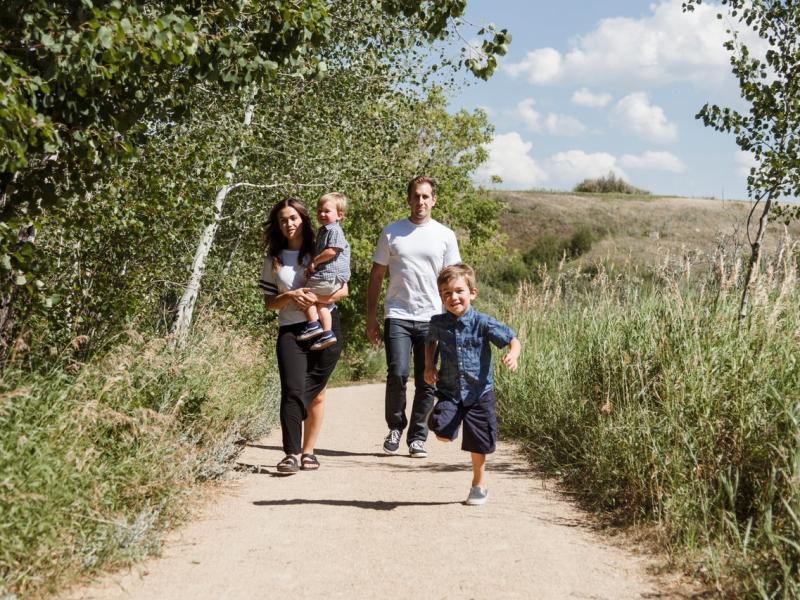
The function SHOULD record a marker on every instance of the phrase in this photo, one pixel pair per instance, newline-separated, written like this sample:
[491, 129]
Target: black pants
[304, 374]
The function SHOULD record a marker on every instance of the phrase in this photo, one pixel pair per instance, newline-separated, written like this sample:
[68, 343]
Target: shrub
[610, 184]
[580, 242]
[97, 463]
[549, 249]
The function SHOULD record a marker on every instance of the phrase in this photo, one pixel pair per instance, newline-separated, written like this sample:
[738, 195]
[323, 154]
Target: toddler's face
[457, 296]
[327, 213]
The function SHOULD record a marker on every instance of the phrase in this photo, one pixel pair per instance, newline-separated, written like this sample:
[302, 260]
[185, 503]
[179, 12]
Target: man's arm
[431, 374]
[376, 276]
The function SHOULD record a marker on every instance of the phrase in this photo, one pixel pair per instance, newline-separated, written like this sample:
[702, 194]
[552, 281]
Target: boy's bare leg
[325, 317]
[478, 464]
[311, 313]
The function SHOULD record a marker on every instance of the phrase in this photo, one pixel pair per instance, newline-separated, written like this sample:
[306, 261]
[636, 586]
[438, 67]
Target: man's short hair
[339, 199]
[419, 181]
[454, 272]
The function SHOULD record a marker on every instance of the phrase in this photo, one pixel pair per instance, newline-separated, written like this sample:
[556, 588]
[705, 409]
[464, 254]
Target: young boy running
[464, 381]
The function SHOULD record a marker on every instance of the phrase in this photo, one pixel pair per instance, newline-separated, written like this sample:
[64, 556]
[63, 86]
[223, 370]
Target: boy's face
[457, 296]
[327, 212]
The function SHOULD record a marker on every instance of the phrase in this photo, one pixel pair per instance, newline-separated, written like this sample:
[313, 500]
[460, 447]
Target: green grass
[97, 464]
[646, 399]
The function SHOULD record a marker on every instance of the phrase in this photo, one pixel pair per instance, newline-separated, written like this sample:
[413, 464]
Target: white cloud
[654, 161]
[744, 161]
[571, 167]
[529, 116]
[583, 97]
[553, 124]
[637, 115]
[539, 66]
[563, 125]
[664, 47]
[510, 159]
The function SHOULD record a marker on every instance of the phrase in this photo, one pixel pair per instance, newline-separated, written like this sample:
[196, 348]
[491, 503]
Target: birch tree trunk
[183, 319]
[755, 259]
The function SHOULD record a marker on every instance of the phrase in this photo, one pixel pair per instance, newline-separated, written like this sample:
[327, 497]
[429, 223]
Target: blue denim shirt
[465, 373]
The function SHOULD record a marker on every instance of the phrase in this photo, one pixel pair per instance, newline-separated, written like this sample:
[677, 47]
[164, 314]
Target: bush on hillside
[610, 184]
[549, 249]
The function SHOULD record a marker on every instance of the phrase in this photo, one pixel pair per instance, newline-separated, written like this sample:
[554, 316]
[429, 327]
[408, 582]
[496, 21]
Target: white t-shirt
[415, 254]
[290, 276]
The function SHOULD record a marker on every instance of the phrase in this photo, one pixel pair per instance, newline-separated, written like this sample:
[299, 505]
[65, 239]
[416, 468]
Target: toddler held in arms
[329, 269]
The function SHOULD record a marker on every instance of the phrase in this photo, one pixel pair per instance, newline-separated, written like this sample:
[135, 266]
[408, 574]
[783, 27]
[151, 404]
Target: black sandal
[288, 466]
[309, 462]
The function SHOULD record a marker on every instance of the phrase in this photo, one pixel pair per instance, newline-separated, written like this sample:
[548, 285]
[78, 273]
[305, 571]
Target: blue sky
[589, 87]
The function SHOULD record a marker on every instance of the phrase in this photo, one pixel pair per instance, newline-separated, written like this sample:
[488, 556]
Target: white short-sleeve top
[414, 255]
[289, 276]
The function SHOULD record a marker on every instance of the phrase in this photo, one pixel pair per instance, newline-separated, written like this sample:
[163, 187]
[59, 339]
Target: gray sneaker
[477, 496]
[392, 442]
[416, 449]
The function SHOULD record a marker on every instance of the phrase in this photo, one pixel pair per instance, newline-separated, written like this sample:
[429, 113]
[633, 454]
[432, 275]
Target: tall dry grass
[95, 465]
[649, 401]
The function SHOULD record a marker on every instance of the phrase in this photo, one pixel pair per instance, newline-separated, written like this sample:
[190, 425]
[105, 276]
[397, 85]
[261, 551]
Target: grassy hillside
[641, 229]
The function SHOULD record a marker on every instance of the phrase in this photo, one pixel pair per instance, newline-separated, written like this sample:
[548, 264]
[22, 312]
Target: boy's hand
[431, 375]
[510, 358]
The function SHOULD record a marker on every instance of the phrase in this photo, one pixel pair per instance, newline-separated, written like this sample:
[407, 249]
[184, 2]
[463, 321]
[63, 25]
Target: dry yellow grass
[642, 230]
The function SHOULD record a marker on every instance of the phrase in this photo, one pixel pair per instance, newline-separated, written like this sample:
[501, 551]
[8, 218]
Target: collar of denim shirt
[464, 319]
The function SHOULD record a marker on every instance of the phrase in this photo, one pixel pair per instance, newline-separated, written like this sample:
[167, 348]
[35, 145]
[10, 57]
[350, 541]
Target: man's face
[421, 201]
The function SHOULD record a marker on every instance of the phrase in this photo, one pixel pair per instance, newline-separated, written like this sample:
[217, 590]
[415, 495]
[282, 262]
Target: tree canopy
[121, 120]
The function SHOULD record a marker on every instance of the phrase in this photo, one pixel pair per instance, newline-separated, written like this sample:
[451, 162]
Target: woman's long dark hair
[273, 237]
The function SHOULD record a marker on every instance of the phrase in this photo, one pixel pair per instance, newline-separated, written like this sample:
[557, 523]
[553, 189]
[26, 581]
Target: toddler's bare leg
[478, 464]
[325, 317]
[311, 313]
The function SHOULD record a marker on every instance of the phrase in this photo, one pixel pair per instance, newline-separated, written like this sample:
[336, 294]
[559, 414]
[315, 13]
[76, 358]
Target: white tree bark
[183, 319]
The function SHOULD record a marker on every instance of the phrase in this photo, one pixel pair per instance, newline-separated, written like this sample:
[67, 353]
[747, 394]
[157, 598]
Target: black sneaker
[392, 442]
[324, 341]
[310, 331]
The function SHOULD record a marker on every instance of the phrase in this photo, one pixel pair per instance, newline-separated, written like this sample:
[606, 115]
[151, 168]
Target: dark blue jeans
[401, 338]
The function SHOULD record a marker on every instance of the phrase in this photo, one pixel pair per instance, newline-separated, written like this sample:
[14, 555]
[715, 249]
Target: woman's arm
[301, 296]
[334, 297]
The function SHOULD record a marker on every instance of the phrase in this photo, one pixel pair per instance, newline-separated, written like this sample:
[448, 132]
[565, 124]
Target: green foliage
[769, 86]
[648, 402]
[96, 465]
[89, 123]
[549, 250]
[610, 184]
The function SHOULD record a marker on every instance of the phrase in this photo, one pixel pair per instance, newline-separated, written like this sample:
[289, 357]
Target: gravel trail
[368, 525]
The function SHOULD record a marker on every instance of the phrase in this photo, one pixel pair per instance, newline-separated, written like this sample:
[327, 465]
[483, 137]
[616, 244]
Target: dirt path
[367, 525]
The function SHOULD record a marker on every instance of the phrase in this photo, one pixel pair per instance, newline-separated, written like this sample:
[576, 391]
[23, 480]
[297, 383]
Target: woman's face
[290, 223]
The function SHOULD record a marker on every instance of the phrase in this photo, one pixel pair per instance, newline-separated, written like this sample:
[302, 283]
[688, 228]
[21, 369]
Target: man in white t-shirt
[413, 250]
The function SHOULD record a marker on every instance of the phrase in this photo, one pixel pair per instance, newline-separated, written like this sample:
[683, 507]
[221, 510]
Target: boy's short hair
[454, 272]
[339, 199]
[419, 181]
